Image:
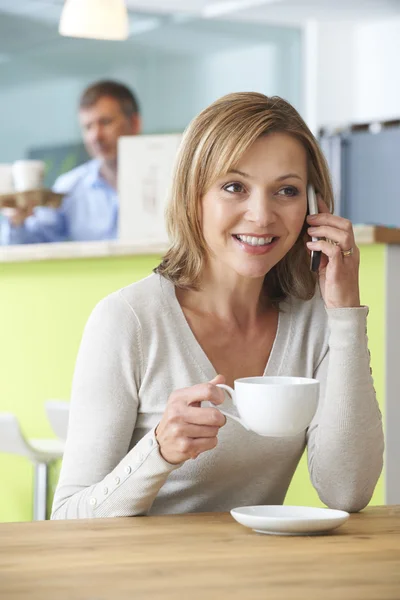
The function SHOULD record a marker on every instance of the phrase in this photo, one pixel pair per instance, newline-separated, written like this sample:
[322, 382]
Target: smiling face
[253, 216]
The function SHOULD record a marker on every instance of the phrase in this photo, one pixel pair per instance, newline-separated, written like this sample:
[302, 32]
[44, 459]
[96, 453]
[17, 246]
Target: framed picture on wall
[145, 165]
[59, 159]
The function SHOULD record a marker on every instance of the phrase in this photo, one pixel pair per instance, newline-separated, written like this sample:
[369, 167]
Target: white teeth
[253, 241]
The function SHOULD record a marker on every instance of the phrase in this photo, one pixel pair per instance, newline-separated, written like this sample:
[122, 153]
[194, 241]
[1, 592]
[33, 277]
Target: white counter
[71, 250]
[364, 234]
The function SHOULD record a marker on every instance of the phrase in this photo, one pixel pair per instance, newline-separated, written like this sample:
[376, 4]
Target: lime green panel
[43, 309]
[373, 294]
[372, 285]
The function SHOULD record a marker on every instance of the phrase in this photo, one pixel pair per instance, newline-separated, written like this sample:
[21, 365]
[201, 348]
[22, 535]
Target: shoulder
[147, 296]
[67, 181]
[135, 303]
[131, 320]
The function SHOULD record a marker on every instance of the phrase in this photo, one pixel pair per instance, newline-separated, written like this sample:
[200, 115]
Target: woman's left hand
[340, 259]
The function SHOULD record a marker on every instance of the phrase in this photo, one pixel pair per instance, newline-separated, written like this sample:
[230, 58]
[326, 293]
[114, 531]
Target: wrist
[350, 304]
[349, 301]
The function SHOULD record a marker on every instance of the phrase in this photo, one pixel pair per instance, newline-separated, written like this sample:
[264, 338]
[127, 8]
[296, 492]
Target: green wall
[43, 309]
[372, 284]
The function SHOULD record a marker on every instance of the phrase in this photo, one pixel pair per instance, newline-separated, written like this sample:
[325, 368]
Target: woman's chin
[251, 271]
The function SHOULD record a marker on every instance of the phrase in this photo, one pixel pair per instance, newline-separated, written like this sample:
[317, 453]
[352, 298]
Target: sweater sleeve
[100, 476]
[345, 439]
[44, 226]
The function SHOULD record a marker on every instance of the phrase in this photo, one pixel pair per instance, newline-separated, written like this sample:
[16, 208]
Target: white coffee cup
[6, 179]
[28, 175]
[274, 406]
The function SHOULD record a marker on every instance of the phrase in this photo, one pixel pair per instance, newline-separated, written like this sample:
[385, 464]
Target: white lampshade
[97, 19]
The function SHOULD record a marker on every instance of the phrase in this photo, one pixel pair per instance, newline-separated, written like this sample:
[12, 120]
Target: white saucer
[289, 520]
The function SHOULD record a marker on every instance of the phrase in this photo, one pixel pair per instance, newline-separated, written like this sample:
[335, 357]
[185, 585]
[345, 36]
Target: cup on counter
[274, 406]
[6, 179]
[28, 175]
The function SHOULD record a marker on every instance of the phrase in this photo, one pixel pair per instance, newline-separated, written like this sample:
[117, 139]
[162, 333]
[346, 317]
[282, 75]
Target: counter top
[376, 234]
[71, 250]
[365, 234]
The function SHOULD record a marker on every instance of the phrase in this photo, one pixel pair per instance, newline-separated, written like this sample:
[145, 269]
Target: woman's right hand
[187, 429]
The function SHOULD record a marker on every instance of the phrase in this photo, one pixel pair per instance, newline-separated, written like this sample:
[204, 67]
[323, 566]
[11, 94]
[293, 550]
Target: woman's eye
[288, 191]
[234, 188]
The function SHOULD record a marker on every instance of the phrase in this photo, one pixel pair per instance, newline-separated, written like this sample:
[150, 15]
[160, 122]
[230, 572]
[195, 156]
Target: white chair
[40, 452]
[57, 412]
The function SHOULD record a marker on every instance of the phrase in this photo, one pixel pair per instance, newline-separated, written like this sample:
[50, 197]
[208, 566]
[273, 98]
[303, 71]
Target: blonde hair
[211, 146]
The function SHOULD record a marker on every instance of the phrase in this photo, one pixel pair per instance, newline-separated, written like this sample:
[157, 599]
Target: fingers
[338, 270]
[192, 447]
[341, 237]
[179, 442]
[218, 379]
[20, 215]
[181, 413]
[181, 430]
[326, 218]
[199, 393]
[333, 252]
[331, 227]
[206, 416]
[186, 429]
[199, 445]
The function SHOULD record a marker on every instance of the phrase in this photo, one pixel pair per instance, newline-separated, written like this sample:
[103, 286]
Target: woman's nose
[261, 210]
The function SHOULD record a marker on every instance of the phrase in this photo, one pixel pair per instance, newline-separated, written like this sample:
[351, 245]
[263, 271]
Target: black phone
[313, 210]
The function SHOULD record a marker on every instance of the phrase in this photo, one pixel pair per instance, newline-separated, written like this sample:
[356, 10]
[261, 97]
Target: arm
[345, 440]
[44, 225]
[99, 476]
[40, 224]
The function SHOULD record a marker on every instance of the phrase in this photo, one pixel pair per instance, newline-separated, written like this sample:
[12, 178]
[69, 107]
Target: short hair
[211, 146]
[111, 89]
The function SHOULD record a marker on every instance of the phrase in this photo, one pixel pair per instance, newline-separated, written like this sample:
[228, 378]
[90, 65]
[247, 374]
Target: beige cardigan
[137, 348]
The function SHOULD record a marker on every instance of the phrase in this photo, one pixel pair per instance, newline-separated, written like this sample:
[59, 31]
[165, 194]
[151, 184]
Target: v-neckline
[195, 350]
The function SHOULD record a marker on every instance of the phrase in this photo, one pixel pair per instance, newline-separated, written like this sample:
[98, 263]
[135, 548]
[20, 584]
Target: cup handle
[232, 394]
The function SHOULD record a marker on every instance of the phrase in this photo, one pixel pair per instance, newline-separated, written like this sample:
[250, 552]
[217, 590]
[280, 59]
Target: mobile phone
[313, 210]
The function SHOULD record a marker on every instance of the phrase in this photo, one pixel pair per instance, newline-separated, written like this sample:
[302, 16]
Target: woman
[233, 297]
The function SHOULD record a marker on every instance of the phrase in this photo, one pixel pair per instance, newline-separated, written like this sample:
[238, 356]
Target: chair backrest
[12, 440]
[57, 412]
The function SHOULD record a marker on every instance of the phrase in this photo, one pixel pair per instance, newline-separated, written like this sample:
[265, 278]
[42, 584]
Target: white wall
[167, 89]
[335, 81]
[253, 69]
[35, 115]
[174, 88]
[377, 69]
[171, 89]
[358, 74]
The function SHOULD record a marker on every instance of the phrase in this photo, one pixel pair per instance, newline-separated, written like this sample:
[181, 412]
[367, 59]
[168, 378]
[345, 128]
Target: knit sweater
[137, 348]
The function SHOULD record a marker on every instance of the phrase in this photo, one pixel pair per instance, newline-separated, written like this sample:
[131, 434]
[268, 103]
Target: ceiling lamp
[96, 19]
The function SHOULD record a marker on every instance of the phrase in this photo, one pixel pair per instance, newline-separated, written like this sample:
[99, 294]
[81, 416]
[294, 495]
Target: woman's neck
[235, 299]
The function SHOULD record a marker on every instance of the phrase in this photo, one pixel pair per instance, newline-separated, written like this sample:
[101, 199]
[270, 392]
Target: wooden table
[202, 556]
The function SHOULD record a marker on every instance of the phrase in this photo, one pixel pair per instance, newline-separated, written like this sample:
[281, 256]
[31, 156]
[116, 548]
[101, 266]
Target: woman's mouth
[255, 244]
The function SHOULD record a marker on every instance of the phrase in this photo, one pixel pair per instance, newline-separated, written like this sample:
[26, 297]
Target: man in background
[89, 210]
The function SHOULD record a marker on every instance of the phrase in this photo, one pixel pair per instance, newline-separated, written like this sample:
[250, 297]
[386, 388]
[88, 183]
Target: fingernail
[312, 217]
[312, 229]
[310, 244]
